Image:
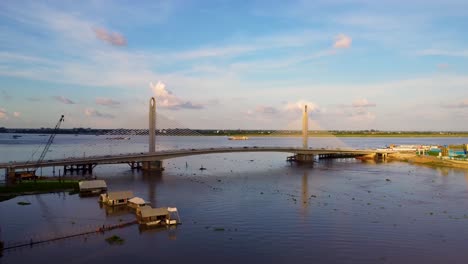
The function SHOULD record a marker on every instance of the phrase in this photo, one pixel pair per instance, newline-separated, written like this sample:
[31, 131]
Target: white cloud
[299, 107]
[107, 102]
[5, 95]
[3, 114]
[443, 66]
[363, 103]
[113, 38]
[16, 114]
[63, 99]
[165, 98]
[342, 41]
[440, 52]
[461, 104]
[362, 116]
[91, 112]
[270, 110]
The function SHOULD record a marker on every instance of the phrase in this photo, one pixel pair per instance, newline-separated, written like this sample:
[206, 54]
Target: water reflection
[151, 179]
[305, 193]
[115, 211]
[151, 230]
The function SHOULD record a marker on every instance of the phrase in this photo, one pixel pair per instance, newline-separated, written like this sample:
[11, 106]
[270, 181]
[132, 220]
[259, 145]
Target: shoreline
[352, 135]
[39, 187]
[427, 160]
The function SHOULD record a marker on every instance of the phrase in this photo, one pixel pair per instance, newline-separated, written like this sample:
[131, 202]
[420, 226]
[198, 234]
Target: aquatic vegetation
[115, 240]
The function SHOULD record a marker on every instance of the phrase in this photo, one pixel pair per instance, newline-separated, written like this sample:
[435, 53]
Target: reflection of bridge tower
[154, 164]
[305, 193]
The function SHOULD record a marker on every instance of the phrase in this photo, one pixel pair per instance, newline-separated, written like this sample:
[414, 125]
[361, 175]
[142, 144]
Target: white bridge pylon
[305, 128]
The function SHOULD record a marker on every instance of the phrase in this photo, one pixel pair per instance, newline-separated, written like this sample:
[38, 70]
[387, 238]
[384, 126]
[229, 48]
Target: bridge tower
[303, 157]
[305, 128]
[154, 165]
[152, 125]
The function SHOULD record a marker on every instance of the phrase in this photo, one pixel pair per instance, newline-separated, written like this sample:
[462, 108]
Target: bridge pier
[135, 165]
[301, 158]
[10, 174]
[84, 168]
[156, 165]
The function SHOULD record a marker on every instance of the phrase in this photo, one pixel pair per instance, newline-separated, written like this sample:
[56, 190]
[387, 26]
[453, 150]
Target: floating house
[137, 202]
[146, 215]
[92, 187]
[116, 198]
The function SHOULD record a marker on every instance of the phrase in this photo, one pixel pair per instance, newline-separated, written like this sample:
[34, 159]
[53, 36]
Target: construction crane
[32, 174]
[49, 142]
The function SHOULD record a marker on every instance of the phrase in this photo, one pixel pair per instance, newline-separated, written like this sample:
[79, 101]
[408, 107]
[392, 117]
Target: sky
[357, 64]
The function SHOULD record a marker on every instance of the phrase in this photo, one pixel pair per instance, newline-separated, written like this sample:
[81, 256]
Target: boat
[16, 136]
[118, 138]
[238, 138]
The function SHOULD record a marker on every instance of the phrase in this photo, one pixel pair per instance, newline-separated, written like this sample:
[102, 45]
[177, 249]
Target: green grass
[357, 134]
[38, 186]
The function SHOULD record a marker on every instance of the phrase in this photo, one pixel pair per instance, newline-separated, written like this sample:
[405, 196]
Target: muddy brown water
[255, 208]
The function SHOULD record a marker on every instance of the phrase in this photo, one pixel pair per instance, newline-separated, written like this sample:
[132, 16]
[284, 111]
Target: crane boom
[51, 139]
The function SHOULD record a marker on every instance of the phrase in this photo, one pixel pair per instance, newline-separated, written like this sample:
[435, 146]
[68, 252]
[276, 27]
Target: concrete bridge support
[10, 174]
[304, 158]
[83, 168]
[156, 165]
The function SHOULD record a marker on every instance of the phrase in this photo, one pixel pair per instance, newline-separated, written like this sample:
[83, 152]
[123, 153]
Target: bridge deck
[169, 154]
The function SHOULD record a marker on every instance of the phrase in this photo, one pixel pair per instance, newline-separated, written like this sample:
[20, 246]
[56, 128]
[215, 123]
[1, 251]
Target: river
[249, 208]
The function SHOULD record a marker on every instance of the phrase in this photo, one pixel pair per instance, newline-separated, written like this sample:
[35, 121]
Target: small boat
[16, 136]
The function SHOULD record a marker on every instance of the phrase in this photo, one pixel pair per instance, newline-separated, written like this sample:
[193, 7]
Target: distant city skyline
[357, 64]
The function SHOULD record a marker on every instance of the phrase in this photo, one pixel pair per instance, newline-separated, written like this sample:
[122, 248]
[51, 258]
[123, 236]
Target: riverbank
[36, 187]
[428, 160]
[358, 135]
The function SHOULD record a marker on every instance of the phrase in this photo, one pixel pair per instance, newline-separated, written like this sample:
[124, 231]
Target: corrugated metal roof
[147, 211]
[120, 195]
[92, 184]
[137, 200]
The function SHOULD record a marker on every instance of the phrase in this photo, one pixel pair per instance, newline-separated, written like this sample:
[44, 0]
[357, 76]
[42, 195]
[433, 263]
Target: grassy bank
[383, 135]
[39, 186]
[428, 160]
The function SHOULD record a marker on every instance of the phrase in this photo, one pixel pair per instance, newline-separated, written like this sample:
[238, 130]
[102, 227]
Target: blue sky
[357, 64]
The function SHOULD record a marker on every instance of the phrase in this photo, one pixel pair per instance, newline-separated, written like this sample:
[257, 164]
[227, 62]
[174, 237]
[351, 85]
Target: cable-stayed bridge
[153, 159]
